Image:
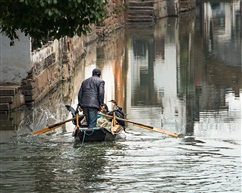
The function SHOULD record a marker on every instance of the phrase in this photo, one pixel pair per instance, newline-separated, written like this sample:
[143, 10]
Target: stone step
[4, 106]
[6, 122]
[141, 8]
[6, 99]
[10, 98]
[8, 128]
[8, 90]
[140, 18]
[141, 12]
[141, 3]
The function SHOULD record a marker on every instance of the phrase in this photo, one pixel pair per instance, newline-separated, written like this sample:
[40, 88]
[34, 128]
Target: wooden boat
[98, 134]
[110, 128]
[95, 135]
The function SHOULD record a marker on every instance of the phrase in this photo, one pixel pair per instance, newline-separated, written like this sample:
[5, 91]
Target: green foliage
[42, 19]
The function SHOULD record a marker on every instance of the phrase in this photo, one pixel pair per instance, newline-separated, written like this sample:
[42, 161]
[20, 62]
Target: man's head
[96, 72]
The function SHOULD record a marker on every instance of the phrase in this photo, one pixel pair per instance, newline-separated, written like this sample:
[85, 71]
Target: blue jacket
[91, 93]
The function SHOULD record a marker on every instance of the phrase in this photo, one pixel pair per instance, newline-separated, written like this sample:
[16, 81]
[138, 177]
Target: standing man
[91, 97]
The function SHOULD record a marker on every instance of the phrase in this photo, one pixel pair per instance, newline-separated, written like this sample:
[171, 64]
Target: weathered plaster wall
[173, 7]
[164, 8]
[14, 60]
[160, 9]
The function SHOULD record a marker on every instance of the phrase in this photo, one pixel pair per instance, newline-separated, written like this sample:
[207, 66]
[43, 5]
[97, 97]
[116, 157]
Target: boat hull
[101, 133]
[94, 135]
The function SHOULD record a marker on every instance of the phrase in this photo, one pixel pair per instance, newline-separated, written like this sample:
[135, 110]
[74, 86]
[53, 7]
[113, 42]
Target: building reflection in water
[182, 74]
[187, 70]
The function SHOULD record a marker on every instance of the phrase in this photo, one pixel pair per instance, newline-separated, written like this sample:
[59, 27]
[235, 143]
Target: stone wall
[45, 73]
[56, 62]
[115, 20]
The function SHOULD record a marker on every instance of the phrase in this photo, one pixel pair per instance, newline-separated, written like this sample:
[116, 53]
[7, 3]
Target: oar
[52, 127]
[159, 130]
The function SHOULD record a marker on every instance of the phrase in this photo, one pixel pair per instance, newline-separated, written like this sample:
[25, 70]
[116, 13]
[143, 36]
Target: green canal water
[182, 74]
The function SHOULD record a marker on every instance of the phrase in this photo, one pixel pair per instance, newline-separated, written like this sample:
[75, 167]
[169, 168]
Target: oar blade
[44, 130]
[52, 127]
[167, 132]
[147, 127]
[159, 130]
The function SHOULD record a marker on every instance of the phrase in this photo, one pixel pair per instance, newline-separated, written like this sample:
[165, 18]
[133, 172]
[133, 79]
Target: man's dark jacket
[91, 93]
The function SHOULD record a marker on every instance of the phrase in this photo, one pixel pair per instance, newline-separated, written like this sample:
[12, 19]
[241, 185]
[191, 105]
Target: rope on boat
[85, 133]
